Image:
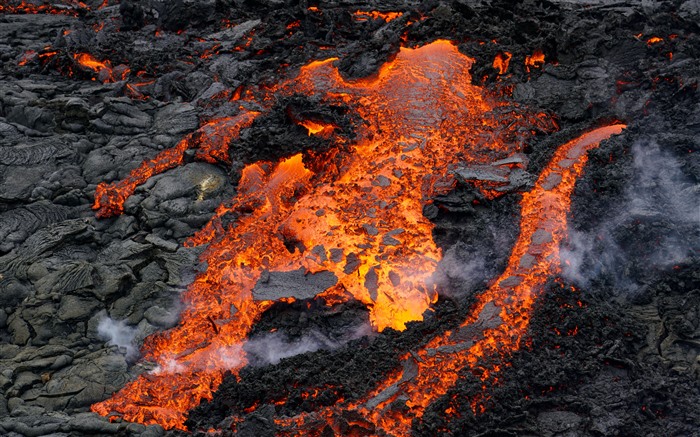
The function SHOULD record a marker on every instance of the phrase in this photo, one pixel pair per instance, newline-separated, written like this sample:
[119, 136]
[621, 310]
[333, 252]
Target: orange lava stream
[500, 317]
[212, 139]
[358, 215]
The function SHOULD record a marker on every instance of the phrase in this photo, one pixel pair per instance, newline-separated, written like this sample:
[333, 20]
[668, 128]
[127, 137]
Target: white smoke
[660, 202]
[273, 347]
[269, 348]
[462, 266]
[118, 333]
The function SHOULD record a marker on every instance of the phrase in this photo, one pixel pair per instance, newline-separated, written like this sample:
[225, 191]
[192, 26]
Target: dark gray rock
[13, 292]
[122, 117]
[555, 423]
[73, 308]
[33, 117]
[175, 119]
[92, 423]
[161, 317]
[296, 283]
[180, 265]
[69, 277]
[87, 381]
[690, 9]
[170, 246]
[33, 152]
[17, 183]
[17, 224]
[19, 329]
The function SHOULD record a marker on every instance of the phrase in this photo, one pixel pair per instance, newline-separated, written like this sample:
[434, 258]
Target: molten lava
[536, 60]
[386, 16]
[357, 216]
[89, 61]
[212, 140]
[501, 62]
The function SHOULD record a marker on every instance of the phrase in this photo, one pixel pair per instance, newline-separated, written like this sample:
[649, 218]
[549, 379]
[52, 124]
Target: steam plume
[118, 333]
[657, 226]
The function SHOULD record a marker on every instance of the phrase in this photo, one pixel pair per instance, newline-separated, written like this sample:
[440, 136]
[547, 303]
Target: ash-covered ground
[614, 341]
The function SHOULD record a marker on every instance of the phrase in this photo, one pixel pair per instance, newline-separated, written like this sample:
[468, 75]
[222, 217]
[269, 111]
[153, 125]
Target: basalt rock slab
[298, 284]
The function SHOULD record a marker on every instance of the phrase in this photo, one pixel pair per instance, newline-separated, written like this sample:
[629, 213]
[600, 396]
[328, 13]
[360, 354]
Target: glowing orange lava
[89, 61]
[317, 128]
[386, 16]
[26, 57]
[357, 215]
[501, 62]
[66, 7]
[536, 60]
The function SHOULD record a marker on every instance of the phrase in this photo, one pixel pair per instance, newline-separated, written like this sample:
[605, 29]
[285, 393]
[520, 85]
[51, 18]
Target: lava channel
[356, 219]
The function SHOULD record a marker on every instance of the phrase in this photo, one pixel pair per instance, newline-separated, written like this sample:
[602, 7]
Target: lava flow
[498, 320]
[357, 219]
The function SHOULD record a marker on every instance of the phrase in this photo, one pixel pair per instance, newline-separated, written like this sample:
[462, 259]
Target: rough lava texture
[613, 346]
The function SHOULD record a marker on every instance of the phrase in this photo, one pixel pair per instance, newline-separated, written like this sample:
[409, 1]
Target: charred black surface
[281, 133]
[347, 372]
[594, 376]
[613, 351]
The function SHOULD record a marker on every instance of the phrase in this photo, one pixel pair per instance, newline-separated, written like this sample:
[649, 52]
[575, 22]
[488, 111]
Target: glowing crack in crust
[358, 216]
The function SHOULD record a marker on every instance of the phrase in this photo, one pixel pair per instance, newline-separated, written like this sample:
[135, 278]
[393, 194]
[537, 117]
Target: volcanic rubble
[613, 343]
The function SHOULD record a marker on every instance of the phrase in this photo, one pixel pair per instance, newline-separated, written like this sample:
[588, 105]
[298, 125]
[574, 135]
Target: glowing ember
[536, 60]
[386, 16]
[359, 217]
[501, 62]
[88, 61]
[46, 54]
[654, 40]
[26, 57]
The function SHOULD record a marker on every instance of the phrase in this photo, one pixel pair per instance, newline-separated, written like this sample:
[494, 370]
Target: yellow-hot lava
[357, 215]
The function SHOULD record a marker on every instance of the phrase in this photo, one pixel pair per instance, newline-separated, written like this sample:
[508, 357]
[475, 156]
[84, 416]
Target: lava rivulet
[358, 217]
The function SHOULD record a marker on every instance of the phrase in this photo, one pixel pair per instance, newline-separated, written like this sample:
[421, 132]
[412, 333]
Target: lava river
[356, 218]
